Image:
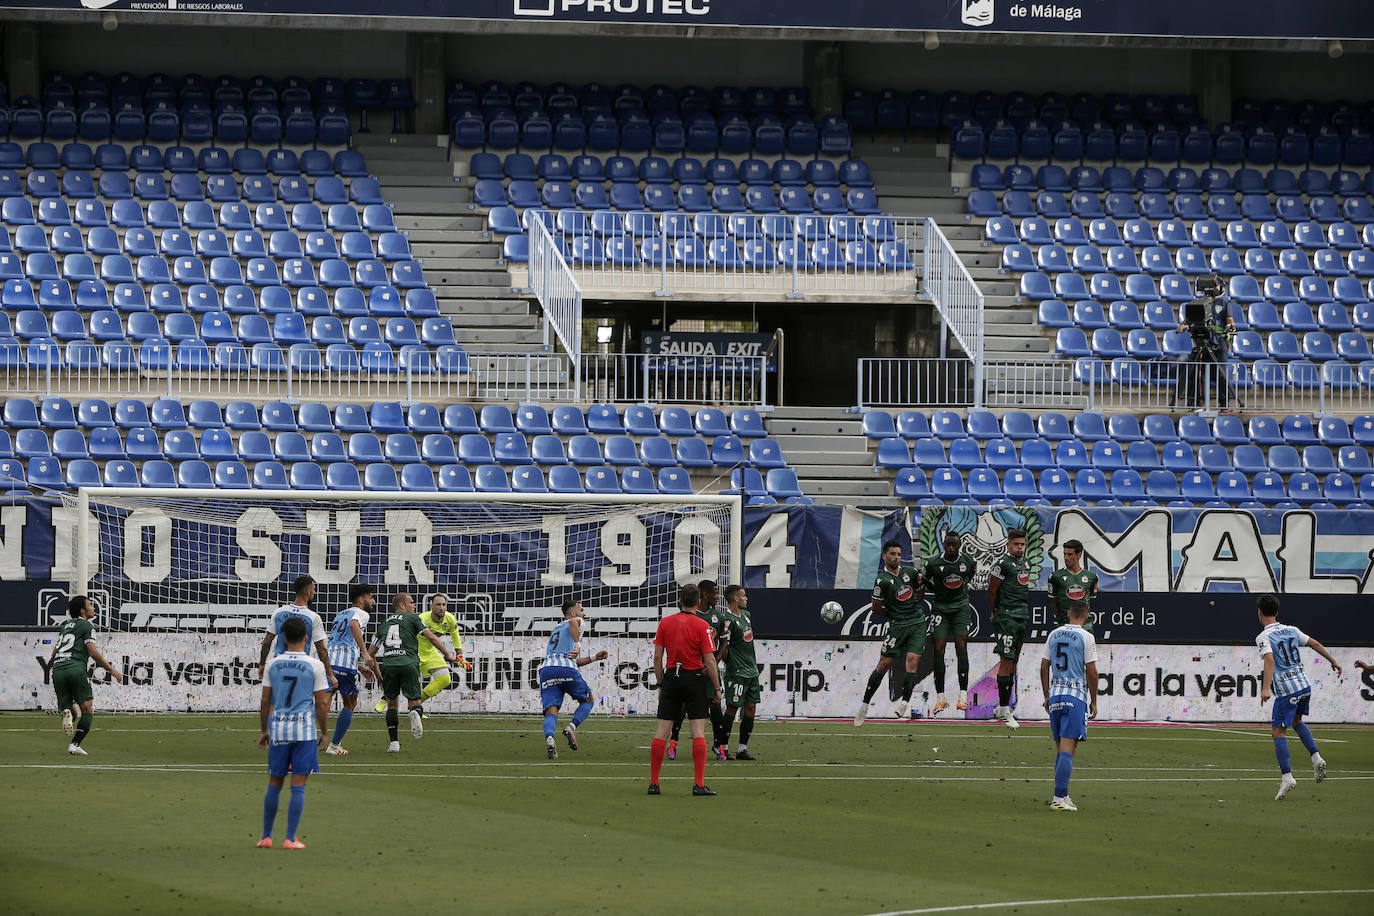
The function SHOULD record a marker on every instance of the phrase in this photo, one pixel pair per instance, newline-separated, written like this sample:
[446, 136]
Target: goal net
[222, 561]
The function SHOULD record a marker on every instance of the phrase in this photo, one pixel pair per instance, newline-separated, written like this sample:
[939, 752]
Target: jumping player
[1070, 694]
[304, 589]
[398, 639]
[74, 645]
[1286, 681]
[947, 576]
[1008, 589]
[1072, 582]
[742, 692]
[293, 714]
[897, 596]
[559, 677]
[348, 654]
[441, 623]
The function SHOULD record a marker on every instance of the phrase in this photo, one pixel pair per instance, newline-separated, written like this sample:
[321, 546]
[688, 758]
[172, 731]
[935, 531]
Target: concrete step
[487, 252]
[1007, 329]
[1005, 288]
[506, 307]
[455, 291]
[1017, 347]
[871, 488]
[478, 277]
[857, 473]
[421, 175]
[405, 197]
[819, 435]
[918, 206]
[512, 322]
[497, 338]
[373, 141]
[855, 459]
[455, 236]
[468, 265]
[411, 219]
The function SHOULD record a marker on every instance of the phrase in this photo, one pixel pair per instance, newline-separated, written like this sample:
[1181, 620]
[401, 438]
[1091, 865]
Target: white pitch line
[1064, 901]
[554, 777]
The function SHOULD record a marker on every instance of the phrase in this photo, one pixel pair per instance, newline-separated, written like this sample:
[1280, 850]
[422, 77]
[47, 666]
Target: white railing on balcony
[1151, 386]
[956, 297]
[794, 256]
[658, 379]
[558, 293]
[526, 377]
[925, 383]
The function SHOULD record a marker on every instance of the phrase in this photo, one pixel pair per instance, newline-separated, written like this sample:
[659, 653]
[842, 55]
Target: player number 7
[291, 690]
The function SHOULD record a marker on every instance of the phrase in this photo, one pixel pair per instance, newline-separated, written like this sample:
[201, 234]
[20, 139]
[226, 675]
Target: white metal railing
[956, 297]
[558, 293]
[784, 255]
[532, 377]
[654, 378]
[1149, 386]
[896, 383]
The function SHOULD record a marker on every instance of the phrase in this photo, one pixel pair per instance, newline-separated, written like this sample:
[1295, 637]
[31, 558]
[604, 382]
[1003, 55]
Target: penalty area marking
[1066, 901]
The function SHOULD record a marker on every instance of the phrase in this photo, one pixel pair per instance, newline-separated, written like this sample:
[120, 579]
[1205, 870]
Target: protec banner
[181, 672]
[1217, 18]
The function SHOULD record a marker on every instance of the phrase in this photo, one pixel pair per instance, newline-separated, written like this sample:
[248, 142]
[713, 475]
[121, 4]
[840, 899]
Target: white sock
[743, 748]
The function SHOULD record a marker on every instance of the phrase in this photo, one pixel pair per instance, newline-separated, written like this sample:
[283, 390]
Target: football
[831, 612]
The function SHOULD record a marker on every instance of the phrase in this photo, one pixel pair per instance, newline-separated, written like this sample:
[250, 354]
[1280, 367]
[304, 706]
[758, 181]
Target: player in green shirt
[897, 596]
[710, 612]
[1072, 583]
[742, 691]
[398, 639]
[947, 577]
[73, 648]
[1008, 591]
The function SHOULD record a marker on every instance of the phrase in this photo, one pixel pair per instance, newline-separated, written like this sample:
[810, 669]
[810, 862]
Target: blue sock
[550, 723]
[1281, 751]
[294, 810]
[1305, 734]
[341, 726]
[269, 808]
[584, 709]
[1063, 769]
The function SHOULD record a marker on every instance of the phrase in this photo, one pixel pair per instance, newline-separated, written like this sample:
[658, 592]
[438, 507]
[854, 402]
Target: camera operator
[1209, 321]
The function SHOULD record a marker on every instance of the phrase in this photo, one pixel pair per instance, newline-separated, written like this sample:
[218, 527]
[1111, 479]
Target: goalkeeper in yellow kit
[441, 623]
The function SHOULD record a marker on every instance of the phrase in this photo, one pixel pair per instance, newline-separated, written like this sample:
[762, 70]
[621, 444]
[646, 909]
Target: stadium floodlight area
[221, 561]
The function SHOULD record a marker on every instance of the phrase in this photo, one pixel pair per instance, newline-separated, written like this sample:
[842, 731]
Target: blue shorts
[558, 681]
[348, 681]
[299, 757]
[1068, 718]
[1287, 708]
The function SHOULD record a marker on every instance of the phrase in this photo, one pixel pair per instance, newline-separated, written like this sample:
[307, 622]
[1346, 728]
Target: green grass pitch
[163, 815]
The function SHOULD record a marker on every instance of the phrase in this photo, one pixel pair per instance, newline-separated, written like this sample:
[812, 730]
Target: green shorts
[1008, 634]
[72, 686]
[950, 621]
[401, 679]
[742, 691]
[904, 639]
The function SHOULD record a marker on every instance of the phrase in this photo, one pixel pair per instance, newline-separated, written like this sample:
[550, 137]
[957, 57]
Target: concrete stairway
[461, 259]
[827, 448]
[914, 179]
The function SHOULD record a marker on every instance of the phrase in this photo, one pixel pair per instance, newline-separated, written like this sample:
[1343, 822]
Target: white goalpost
[190, 577]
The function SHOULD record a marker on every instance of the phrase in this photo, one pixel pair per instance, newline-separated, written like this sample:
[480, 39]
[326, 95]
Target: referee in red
[687, 679]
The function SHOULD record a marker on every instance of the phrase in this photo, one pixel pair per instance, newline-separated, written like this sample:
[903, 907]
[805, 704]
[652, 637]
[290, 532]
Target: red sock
[699, 760]
[657, 748]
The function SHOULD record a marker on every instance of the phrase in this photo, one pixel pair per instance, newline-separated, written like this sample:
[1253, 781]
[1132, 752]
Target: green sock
[83, 728]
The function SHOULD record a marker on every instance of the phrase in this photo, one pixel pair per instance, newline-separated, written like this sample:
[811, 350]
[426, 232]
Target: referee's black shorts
[684, 690]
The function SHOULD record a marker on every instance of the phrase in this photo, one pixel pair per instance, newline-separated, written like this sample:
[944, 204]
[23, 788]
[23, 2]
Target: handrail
[956, 297]
[558, 294]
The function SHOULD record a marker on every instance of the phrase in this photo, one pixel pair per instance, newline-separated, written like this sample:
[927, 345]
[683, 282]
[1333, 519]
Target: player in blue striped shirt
[559, 677]
[347, 655]
[1286, 680]
[1068, 675]
[293, 714]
